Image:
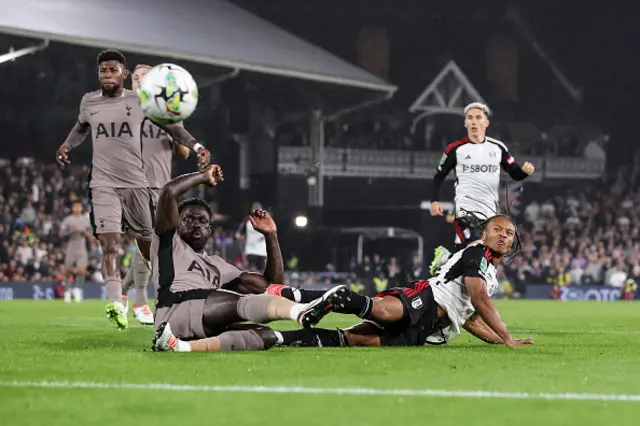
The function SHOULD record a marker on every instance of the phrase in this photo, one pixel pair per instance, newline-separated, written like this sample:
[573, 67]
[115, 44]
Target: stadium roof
[213, 32]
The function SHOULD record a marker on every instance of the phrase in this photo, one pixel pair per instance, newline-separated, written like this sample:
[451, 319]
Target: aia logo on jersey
[152, 131]
[111, 130]
[206, 273]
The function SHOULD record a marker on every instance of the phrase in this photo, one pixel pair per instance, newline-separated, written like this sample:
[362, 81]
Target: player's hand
[263, 222]
[436, 208]
[528, 168]
[74, 228]
[62, 154]
[204, 157]
[213, 175]
[512, 343]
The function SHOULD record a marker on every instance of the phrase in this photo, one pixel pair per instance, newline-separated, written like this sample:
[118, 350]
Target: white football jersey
[255, 243]
[477, 167]
[450, 292]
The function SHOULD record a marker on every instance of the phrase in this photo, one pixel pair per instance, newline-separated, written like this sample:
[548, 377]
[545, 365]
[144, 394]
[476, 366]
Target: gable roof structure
[448, 93]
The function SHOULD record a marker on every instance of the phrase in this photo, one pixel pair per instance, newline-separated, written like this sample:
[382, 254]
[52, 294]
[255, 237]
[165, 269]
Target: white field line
[329, 391]
[603, 331]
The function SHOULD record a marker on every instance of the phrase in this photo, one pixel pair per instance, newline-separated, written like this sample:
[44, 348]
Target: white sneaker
[165, 341]
[143, 314]
[317, 309]
[77, 294]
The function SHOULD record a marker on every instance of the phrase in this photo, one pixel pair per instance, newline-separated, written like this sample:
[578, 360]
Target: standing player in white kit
[477, 160]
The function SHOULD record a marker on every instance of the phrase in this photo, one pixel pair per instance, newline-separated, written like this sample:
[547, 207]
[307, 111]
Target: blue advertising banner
[587, 292]
[46, 291]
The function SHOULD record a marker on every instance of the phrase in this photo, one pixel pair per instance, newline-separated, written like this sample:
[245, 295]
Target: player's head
[476, 120]
[77, 207]
[500, 234]
[112, 71]
[138, 72]
[195, 222]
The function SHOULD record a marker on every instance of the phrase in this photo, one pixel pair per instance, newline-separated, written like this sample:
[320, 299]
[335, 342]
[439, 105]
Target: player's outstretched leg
[440, 257]
[255, 339]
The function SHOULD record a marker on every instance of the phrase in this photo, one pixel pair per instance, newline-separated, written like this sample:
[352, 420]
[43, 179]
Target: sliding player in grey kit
[199, 303]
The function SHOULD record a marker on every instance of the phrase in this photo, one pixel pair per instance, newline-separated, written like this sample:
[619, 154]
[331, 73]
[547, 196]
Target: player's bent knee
[268, 336]
[246, 340]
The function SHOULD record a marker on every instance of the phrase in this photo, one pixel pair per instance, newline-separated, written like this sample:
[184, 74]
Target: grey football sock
[114, 289]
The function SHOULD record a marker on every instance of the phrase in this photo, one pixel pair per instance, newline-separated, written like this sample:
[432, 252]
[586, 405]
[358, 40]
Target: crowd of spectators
[35, 198]
[589, 235]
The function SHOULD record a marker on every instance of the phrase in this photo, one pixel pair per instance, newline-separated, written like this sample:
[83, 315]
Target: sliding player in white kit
[431, 311]
[477, 160]
[157, 155]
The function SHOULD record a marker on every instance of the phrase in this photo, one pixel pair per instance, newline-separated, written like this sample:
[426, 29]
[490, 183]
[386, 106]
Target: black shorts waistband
[167, 299]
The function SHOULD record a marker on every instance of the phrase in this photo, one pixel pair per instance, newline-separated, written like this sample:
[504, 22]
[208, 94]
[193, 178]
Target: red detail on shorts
[451, 146]
[409, 291]
[459, 233]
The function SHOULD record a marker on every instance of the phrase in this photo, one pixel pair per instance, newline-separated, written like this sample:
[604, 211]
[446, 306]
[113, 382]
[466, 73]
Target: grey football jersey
[117, 146]
[180, 268]
[157, 151]
[76, 239]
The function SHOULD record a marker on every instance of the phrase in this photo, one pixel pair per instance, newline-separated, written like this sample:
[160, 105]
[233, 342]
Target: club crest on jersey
[484, 265]
[416, 303]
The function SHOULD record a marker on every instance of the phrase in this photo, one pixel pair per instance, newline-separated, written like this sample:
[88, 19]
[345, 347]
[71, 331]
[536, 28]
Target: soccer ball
[168, 94]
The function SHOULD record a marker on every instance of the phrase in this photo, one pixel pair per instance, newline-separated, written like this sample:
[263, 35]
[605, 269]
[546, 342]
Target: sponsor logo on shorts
[416, 303]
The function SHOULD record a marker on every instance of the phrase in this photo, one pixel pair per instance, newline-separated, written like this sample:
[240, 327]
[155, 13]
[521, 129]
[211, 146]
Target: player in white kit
[431, 311]
[477, 160]
[157, 155]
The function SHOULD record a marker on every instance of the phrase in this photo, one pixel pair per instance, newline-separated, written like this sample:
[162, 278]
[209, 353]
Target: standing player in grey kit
[157, 155]
[118, 187]
[75, 228]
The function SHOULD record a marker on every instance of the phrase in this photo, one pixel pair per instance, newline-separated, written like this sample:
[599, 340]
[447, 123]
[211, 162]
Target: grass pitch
[67, 365]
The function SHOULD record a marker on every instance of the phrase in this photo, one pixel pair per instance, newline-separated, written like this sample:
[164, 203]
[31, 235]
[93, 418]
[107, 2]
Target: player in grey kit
[118, 187]
[75, 228]
[200, 300]
[157, 155]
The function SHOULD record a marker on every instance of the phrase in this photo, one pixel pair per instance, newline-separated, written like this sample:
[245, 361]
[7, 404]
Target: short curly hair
[112, 55]
[195, 202]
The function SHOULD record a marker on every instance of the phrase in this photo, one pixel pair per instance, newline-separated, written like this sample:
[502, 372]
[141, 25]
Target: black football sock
[314, 338]
[300, 295]
[357, 305]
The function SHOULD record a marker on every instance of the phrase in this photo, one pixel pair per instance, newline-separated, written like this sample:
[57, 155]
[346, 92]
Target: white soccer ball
[168, 94]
